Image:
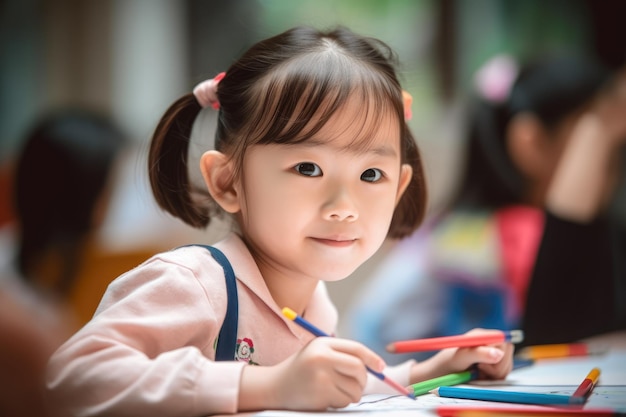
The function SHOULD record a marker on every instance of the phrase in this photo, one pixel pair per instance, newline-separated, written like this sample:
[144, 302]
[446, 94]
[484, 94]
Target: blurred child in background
[61, 188]
[582, 256]
[469, 266]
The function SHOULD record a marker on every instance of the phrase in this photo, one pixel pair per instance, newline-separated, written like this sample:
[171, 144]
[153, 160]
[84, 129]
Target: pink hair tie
[407, 100]
[206, 92]
[495, 78]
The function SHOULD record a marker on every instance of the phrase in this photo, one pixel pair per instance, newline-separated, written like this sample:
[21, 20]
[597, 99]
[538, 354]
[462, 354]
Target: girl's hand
[494, 361]
[591, 162]
[328, 372]
[610, 107]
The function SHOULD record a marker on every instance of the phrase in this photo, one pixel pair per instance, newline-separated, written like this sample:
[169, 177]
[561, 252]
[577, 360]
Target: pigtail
[167, 163]
[411, 209]
[489, 177]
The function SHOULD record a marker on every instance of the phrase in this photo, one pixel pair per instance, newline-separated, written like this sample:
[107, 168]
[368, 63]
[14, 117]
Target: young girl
[315, 162]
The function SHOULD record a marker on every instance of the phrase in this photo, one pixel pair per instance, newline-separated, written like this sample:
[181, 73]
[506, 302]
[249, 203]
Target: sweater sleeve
[148, 350]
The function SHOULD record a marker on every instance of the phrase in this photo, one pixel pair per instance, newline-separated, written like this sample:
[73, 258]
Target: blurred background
[130, 59]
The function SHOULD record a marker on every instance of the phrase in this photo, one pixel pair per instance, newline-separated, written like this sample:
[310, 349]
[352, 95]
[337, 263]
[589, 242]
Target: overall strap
[227, 339]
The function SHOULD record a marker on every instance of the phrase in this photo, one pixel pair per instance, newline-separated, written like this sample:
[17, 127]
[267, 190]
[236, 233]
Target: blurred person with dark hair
[61, 185]
[470, 265]
[61, 191]
[578, 286]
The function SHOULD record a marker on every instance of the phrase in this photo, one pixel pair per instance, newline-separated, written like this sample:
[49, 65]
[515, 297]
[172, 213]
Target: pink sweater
[150, 346]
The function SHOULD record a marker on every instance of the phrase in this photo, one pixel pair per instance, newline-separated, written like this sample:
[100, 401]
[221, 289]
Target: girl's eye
[309, 169]
[371, 175]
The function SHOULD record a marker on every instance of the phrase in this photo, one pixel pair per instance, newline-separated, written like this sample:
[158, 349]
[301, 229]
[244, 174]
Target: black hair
[550, 88]
[61, 173]
[270, 95]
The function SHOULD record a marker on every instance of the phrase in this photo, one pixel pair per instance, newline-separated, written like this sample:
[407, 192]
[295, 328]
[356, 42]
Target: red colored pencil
[463, 340]
[585, 387]
[520, 411]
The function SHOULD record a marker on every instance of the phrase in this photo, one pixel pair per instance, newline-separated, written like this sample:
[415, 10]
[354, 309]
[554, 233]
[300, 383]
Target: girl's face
[321, 208]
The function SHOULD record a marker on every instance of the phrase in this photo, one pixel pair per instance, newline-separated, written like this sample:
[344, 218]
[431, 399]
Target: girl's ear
[406, 173]
[528, 145]
[217, 171]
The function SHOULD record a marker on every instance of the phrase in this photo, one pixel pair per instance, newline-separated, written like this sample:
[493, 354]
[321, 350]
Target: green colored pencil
[442, 381]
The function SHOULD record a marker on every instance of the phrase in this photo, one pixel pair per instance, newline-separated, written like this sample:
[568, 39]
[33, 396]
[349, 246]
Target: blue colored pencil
[290, 314]
[506, 396]
[522, 363]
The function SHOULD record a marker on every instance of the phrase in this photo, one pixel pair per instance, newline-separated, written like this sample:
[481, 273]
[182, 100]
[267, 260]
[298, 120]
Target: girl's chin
[337, 273]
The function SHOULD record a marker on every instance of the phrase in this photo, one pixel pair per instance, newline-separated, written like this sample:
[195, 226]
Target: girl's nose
[340, 207]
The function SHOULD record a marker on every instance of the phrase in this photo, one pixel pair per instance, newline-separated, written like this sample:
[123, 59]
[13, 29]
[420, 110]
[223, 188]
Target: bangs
[296, 100]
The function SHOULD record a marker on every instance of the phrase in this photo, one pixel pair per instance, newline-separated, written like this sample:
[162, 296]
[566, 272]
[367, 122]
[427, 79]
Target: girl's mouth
[338, 243]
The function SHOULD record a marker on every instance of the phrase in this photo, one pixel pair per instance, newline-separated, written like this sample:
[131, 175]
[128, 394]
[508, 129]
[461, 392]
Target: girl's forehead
[360, 125]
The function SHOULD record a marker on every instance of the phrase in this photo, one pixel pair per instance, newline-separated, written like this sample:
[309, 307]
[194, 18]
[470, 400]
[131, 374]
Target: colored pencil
[521, 411]
[425, 387]
[463, 340]
[292, 315]
[559, 350]
[522, 363]
[506, 396]
[585, 387]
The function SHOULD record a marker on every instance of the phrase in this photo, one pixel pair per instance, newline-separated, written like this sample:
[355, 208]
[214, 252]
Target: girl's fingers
[359, 351]
[494, 371]
[350, 389]
[488, 354]
[497, 369]
[345, 362]
[494, 362]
